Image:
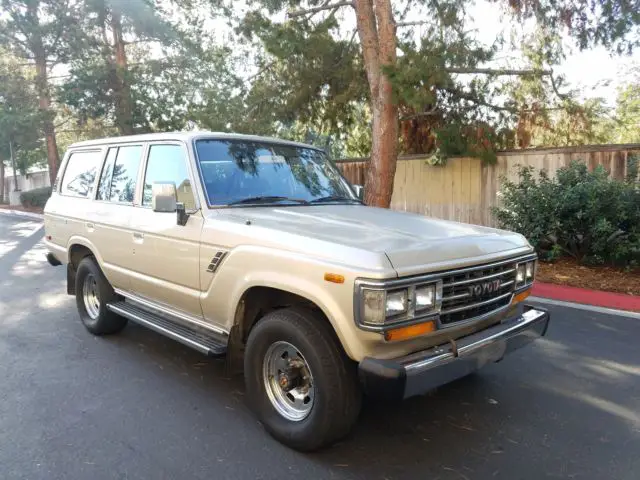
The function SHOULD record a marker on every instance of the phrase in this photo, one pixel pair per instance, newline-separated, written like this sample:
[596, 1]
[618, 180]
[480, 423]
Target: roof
[186, 137]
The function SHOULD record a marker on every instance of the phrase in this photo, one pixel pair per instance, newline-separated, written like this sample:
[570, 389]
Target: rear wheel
[93, 292]
[299, 382]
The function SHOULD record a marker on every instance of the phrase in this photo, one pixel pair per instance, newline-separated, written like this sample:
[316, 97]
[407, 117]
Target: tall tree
[137, 69]
[42, 33]
[627, 122]
[20, 117]
[440, 82]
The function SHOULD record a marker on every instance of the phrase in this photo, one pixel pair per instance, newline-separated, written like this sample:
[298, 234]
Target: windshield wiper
[267, 199]
[334, 198]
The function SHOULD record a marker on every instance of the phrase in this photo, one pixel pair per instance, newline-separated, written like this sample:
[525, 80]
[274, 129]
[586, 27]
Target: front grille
[476, 292]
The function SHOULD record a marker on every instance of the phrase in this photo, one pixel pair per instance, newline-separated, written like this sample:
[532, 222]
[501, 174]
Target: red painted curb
[588, 297]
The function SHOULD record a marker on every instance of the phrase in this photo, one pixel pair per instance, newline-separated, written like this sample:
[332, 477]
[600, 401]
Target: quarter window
[168, 163]
[80, 173]
[120, 174]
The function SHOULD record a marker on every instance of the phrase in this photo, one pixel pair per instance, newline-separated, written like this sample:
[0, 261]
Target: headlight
[379, 306]
[530, 269]
[373, 306]
[525, 273]
[396, 303]
[520, 273]
[425, 297]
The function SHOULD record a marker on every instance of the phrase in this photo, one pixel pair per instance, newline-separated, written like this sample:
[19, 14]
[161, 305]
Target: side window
[80, 173]
[120, 174]
[104, 186]
[168, 163]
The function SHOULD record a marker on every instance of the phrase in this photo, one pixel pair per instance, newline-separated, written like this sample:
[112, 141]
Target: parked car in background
[258, 248]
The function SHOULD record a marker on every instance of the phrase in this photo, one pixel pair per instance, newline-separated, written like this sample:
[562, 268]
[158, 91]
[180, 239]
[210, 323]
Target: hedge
[35, 198]
[582, 214]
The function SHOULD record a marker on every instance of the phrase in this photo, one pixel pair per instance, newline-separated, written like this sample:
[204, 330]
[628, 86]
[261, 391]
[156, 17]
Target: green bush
[583, 214]
[36, 197]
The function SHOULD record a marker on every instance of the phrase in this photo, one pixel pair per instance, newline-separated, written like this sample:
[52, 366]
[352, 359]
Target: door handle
[138, 237]
[90, 226]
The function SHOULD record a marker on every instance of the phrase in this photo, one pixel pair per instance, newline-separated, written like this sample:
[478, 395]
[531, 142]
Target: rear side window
[120, 174]
[80, 173]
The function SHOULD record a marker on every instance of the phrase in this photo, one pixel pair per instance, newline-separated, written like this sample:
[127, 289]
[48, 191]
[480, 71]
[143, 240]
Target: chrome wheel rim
[288, 381]
[91, 296]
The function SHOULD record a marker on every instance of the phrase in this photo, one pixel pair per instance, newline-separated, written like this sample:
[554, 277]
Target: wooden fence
[465, 189]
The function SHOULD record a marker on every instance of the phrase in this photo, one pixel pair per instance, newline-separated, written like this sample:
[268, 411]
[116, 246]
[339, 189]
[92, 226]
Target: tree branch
[555, 88]
[302, 13]
[411, 24]
[264, 69]
[431, 111]
[491, 71]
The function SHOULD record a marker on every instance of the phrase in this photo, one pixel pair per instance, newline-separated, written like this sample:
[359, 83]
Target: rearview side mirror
[163, 197]
[359, 190]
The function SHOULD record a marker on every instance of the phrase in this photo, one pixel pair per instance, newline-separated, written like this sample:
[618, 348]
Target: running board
[195, 338]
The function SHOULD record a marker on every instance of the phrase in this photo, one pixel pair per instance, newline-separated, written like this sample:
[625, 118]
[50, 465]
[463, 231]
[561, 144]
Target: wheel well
[258, 301]
[76, 253]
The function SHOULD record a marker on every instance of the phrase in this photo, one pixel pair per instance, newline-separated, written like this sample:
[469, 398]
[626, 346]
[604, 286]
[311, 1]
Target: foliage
[586, 215]
[611, 23]
[35, 198]
[20, 118]
[627, 125]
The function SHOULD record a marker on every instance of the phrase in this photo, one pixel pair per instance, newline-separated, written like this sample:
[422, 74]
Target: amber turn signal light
[403, 333]
[520, 297]
[334, 278]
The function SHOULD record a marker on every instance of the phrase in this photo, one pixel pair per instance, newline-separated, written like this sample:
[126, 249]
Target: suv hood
[413, 243]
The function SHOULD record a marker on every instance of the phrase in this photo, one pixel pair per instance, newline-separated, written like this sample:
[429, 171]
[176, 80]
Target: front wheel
[299, 382]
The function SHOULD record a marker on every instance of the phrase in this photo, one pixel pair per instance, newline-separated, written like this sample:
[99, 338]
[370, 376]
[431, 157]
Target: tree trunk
[377, 32]
[1, 181]
[44, 102]
[122, 90]
[13, 167]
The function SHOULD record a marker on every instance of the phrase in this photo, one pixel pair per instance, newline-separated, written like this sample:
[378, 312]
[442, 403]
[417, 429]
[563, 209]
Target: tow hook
[454, 347]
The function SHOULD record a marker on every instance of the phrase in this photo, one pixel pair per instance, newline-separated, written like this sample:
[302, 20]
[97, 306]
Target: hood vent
[216, 261]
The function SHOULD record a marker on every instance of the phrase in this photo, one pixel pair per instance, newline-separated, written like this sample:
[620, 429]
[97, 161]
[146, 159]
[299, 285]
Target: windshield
[245, 172]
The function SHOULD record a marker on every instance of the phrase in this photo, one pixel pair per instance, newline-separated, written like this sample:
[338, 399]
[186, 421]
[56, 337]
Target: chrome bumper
[422, 371]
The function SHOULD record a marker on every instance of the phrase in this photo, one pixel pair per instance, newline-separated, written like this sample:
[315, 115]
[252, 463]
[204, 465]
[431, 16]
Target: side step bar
[195, 338]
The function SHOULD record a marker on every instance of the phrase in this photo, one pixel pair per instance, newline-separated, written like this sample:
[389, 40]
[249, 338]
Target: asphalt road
[137, 405]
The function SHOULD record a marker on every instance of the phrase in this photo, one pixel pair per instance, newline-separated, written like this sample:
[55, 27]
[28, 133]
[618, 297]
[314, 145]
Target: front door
[166, 256]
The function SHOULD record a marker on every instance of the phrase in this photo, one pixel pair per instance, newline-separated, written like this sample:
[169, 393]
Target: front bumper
[422, 371]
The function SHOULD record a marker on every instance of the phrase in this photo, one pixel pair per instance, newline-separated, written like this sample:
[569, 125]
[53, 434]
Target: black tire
[338, 397]
[106, 322]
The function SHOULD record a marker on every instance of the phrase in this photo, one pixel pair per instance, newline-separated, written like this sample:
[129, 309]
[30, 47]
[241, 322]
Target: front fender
[247, 267]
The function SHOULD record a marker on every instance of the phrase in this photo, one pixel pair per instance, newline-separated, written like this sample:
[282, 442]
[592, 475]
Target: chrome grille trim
[478, 279]
[476, 305]
[461, 305]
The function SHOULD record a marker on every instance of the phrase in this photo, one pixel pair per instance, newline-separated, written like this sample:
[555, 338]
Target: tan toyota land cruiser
[258, 249]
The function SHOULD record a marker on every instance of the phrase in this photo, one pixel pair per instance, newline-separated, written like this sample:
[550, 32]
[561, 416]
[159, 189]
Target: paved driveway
[136, 405]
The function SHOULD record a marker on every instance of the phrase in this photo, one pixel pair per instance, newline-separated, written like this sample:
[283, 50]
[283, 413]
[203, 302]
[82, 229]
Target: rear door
[167, 255]
[110, 225]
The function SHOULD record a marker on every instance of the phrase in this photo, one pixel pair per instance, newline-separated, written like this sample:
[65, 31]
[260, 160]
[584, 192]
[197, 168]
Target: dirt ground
[568, 272]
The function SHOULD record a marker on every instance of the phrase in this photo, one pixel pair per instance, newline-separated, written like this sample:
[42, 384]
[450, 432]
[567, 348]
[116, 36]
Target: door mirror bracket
[181, 214]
